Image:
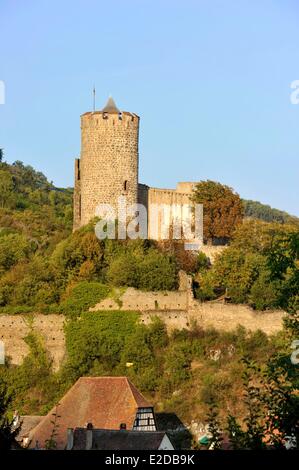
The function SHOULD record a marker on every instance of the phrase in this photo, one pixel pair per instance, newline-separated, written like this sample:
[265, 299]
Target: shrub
[177, 364]
[83, 296]
[157, 272]
[123, 271]
[148, 271]
[264, 294]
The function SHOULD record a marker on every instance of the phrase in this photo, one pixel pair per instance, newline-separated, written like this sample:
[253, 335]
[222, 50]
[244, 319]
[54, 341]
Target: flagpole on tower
[94, 98]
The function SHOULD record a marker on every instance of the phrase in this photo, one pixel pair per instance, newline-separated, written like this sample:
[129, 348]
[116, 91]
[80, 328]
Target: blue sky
[209, 78]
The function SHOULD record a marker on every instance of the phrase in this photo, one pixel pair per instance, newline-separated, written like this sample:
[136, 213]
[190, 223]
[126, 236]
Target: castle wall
[185, 187]
[176, 310]
[14, 328]
[169, 197]
[224, 317]
[143, 194]
[109, 160]
[77, 196]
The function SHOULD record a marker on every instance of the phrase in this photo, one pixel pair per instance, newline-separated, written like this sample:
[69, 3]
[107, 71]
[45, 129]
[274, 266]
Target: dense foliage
[222, 209]
[242, 272]
[271, 392]
[256, 210]
[41, 259]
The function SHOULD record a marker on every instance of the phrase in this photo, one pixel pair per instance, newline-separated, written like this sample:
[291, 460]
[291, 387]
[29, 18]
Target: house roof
[103, 439]
[28, 423]
[106, 402]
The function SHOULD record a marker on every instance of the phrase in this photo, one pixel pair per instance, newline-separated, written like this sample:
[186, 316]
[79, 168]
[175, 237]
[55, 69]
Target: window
[126, 185]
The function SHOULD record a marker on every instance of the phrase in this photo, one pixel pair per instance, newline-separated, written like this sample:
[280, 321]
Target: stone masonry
[108, 167]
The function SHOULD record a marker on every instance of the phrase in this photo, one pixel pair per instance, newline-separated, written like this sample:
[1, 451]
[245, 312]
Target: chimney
[70, 439]
[88, 439]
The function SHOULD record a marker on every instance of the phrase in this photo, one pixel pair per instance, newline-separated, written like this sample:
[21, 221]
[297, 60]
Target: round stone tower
[108, 166]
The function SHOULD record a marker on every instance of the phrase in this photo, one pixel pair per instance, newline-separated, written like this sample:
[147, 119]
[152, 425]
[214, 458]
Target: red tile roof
[106, 402]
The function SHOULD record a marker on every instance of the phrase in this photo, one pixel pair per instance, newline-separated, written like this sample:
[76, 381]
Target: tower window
[120, 116]
[126, 185]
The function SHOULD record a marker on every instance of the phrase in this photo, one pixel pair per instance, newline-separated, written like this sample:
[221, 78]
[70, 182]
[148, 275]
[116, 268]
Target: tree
[8, 431]
[1, 155]
[6, 188]
[256, 210]
[222, 209]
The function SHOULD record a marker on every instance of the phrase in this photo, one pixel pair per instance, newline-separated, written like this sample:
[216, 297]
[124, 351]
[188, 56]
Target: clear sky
[209, 78]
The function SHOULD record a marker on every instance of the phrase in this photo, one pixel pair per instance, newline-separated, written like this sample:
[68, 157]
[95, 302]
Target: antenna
[94, 98]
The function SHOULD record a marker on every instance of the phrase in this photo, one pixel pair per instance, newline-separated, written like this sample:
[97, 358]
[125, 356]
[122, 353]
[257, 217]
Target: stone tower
[108, 165]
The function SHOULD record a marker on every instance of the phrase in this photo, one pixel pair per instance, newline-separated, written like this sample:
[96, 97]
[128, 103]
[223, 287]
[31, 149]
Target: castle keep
[108, 166]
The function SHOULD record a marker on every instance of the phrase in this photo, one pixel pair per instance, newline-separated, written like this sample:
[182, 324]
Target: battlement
[100, 118]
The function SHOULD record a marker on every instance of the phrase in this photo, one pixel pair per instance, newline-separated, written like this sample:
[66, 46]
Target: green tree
[6, 189]
[222, 209]
[256, 210]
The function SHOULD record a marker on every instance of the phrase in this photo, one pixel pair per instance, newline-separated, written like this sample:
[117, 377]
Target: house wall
[166, 444]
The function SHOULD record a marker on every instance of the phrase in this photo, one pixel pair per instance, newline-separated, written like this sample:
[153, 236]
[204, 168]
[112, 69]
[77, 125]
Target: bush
[123, 271]
[157, 272]
[83, 296]
[177, 365]
[264, 294]
[14, 248]
[206, 287]
[148, 271]
[30, 283]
